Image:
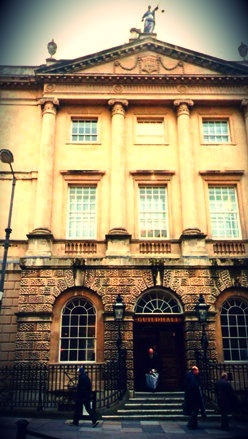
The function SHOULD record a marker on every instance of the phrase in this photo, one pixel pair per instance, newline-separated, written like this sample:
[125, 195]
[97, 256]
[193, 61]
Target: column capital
[118, 106]
[49, 104]
[183, 106]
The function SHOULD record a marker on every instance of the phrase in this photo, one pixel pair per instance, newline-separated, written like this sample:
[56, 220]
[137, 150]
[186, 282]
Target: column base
[118, 242]
[193, 242]
[40, 242]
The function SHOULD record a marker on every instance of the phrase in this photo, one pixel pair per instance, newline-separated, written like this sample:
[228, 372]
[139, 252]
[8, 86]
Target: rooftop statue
[149, 20]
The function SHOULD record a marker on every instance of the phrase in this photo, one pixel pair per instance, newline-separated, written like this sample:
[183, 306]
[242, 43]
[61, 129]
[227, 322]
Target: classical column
[186, 164]
[118, 238]
[44, 193]
[191, 235]
[118, 159]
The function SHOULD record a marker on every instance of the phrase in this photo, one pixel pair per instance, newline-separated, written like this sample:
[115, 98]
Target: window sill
[83, 143]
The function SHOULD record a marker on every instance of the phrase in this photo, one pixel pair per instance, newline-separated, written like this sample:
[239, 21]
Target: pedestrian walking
[83, 394]
[226, 399]
[193, 398]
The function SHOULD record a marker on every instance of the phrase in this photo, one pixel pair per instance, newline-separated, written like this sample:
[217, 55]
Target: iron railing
[50, 386]
[211, 371]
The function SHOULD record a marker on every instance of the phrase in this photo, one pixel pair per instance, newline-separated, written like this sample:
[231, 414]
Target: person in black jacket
[83, 394]
[193, 399]
[226, 399]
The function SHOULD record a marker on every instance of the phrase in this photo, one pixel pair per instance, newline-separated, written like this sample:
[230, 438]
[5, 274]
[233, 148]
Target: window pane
[77, 343]
[234, 329]
[84, 130]
[82, 212]
[153, 212]
[224, 213]
[215, 131]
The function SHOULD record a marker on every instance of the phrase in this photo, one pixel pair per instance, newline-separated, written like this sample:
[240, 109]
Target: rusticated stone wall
[8, 324]
[41, 287]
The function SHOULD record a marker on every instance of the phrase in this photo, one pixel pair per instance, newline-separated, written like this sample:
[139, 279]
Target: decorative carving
[178, 64]
[49, 87]
[118, 88]
[182, 88]
[118, 64]
[149, 65]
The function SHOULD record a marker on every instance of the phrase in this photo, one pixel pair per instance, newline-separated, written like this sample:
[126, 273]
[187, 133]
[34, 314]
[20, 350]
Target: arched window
[158, 302]
[234, 326]
[78, 331]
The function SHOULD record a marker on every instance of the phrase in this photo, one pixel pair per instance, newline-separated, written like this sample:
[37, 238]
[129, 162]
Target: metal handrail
[210, 371]
[52, 386]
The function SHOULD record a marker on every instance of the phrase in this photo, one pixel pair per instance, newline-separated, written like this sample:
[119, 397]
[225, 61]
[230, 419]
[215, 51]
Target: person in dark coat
[83, 394]
[193, 399]
[226, 399]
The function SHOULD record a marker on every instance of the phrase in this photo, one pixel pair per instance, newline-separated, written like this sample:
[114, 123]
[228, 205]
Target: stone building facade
[132, 179]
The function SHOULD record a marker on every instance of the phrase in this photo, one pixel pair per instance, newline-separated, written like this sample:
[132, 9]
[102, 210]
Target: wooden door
[168, 337]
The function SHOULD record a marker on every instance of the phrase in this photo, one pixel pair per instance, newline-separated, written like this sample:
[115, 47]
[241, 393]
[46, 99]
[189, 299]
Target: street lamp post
[201, 309]
[6, 156]
[119, 311]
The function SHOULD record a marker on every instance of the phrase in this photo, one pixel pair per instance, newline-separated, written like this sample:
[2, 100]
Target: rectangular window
[153, 212]
[82, 212]
[224, 212]
[84, 130]
[216, 130]
[150, 130]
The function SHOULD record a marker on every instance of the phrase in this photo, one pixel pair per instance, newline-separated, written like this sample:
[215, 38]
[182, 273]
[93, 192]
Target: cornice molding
[113, 79]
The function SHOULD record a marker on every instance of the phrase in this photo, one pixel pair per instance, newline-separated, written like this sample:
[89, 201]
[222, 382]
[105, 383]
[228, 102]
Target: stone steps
[159, 405]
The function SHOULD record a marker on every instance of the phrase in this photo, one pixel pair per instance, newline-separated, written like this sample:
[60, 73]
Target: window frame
[217, 118]
[152, 178]
[84, 134]
[225, 215]
[226, 178]
[83, 214]
[143, 214]
[92, 114]
[75, 340]
[228, 340]
[157, 302]
[62, 299]
[82, 178]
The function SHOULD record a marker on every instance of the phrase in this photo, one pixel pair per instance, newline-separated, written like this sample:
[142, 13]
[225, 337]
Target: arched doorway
[159, 321]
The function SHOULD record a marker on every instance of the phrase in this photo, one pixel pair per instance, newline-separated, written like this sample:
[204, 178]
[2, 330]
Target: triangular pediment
[144, 56]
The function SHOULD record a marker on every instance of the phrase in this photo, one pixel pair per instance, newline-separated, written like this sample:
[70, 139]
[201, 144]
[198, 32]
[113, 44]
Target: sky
[83, 27]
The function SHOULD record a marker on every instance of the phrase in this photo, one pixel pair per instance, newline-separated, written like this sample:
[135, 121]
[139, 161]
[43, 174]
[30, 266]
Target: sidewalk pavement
[59, 429]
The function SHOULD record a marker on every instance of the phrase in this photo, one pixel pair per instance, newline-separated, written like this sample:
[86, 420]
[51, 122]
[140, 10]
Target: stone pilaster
[40, 239]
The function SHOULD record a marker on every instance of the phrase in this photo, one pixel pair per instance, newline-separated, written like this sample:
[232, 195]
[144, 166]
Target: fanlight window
[157, 302]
